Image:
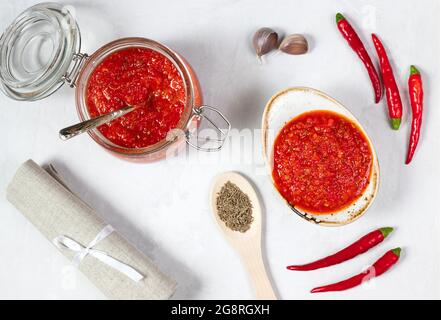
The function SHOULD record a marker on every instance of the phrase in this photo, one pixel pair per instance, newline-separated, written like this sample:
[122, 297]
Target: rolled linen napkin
[118, 269]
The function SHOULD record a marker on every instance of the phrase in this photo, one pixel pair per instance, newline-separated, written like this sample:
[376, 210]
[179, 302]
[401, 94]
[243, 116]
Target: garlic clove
[265, 40]
[294, 44]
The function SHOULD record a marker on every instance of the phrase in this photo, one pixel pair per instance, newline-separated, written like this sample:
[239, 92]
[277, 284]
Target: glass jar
[40, 51]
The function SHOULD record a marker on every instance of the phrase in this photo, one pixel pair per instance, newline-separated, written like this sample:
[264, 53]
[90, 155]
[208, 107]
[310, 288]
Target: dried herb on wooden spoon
[234, 207]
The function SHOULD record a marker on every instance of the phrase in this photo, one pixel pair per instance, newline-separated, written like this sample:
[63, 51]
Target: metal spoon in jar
[76, 129]
[79, 128]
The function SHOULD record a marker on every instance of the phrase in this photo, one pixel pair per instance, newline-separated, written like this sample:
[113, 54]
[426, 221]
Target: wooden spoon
[247, 244]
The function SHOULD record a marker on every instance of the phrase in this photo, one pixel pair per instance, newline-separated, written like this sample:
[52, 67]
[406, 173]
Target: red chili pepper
[416, 100]
[362, 245]
[377, 269]
[392, 93]
[354, 41]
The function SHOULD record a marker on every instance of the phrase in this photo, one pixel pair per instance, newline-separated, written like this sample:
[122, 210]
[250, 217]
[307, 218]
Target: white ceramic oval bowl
[298, 100]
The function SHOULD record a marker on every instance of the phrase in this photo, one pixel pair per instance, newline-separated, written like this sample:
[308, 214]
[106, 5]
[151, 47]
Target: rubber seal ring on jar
[39, 52]
[216, 130]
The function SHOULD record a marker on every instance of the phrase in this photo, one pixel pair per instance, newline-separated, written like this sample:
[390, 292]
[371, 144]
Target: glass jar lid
[38, 51]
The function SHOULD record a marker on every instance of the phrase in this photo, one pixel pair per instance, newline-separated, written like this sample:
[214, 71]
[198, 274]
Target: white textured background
[163, 208]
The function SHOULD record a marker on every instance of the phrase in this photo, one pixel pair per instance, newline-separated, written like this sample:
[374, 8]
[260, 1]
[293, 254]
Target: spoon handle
[87, 125]
[252, 258]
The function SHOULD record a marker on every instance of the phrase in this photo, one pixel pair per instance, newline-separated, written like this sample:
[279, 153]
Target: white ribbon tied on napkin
[82, 252]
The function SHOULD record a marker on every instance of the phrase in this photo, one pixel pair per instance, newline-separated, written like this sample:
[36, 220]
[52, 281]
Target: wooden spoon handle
[252, 258]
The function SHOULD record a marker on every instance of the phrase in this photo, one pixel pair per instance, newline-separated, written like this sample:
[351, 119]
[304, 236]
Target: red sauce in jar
[136, 76]
[322, 162]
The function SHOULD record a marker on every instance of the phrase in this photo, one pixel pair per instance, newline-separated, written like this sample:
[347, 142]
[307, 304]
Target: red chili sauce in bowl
[322, 162]
[136, 76]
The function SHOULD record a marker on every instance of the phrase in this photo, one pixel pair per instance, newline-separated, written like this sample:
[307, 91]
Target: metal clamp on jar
[41, 50]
